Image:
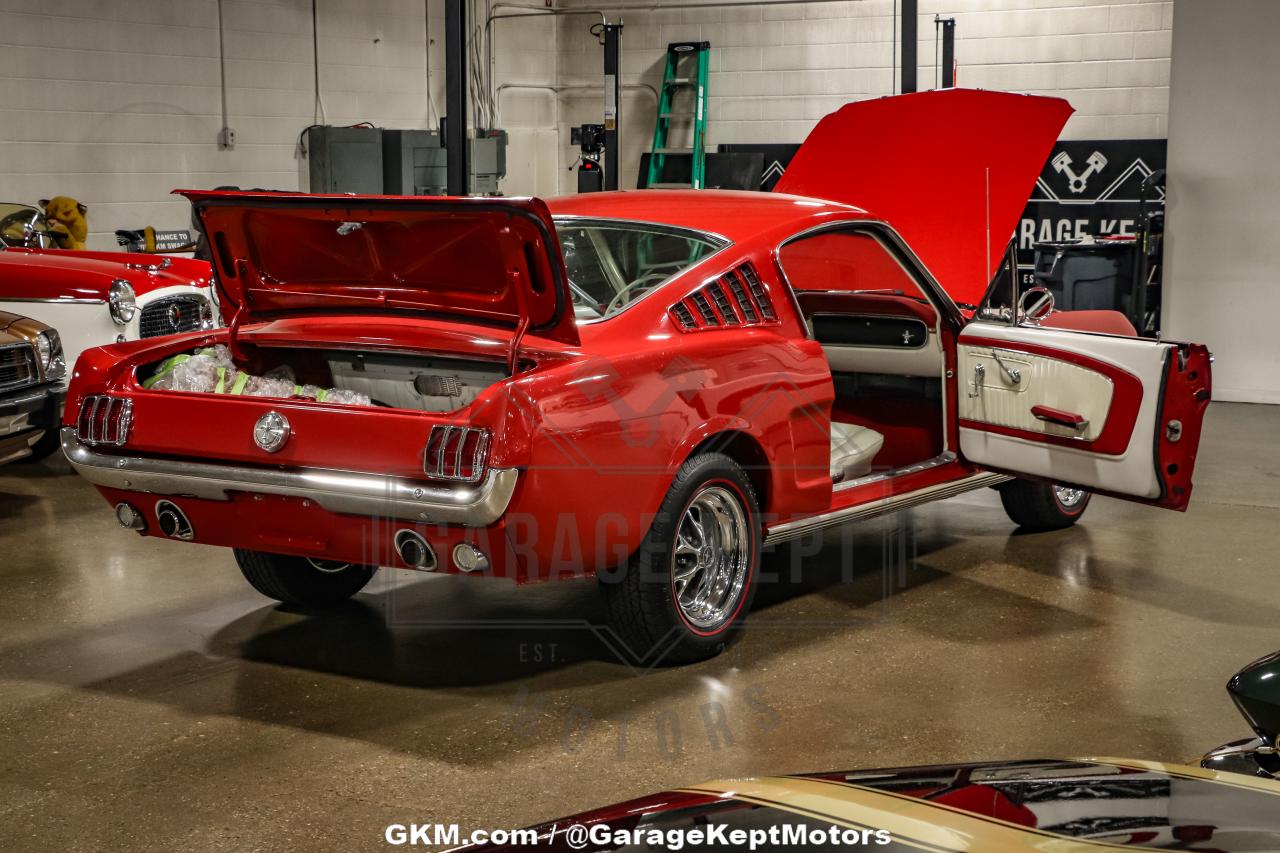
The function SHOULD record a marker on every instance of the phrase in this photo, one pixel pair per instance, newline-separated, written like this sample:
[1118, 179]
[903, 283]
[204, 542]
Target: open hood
[490, 261]
[950, 170]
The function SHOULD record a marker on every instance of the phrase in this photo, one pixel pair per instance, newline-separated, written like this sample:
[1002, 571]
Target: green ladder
[676, 77]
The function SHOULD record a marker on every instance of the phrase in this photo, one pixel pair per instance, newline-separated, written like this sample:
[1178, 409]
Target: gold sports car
[33, 389]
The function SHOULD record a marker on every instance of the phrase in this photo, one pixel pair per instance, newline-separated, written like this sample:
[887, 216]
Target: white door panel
[1060, 384]
[997, 399]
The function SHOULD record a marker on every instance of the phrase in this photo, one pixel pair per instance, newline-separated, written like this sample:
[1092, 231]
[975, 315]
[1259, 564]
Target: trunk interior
[360, 377]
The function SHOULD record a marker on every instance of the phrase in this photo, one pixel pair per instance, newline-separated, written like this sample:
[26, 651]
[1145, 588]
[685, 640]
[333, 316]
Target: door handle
[1048, 414]
[979, 372]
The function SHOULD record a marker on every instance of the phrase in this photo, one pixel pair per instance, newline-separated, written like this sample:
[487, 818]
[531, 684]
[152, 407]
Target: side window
[851, 273]
[846, 261]
[583, 265]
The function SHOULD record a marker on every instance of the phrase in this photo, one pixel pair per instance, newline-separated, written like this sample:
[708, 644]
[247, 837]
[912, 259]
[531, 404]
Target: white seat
[853, 448]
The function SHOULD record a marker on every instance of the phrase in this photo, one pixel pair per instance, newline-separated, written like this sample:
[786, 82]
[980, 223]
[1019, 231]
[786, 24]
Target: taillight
[457, 453]
[104, 420]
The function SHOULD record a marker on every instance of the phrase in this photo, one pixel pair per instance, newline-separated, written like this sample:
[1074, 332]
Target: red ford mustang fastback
[647, 386]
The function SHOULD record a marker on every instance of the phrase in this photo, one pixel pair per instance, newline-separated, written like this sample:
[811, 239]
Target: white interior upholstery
[853, 448]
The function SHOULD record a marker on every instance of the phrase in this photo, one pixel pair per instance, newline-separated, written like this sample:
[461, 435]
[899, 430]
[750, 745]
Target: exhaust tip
[469, 558]
[414, 550]
[129, 517]
[173, 521]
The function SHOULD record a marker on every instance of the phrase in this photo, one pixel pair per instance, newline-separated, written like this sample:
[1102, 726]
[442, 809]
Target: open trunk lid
[489, 261]
[950, 170]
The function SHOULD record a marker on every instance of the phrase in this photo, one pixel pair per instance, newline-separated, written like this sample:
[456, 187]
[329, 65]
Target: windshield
[22, 225]
[612, 264]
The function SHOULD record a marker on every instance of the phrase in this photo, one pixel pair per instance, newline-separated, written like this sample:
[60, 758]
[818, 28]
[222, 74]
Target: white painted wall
[777, 69]
[1222, 279]
[116, 102]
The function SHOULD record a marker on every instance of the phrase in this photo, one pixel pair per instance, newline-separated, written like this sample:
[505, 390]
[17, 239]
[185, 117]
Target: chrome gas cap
[271, 431]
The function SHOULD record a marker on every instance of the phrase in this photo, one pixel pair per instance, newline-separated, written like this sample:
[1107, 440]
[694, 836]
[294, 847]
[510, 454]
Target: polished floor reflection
[149, 696]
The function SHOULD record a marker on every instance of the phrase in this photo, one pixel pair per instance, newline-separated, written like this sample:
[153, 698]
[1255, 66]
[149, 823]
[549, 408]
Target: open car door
[1114, 414]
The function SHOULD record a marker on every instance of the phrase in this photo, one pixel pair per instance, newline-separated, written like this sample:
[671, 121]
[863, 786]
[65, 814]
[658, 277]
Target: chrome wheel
[1069, 498]
[712, 557]
[329, 567]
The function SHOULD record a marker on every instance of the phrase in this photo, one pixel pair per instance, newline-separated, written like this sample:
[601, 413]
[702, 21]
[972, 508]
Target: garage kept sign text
[1089, 188]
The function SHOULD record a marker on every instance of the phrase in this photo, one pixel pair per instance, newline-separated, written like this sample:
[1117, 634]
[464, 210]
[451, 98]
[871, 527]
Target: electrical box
[414, 162]
[345, 159]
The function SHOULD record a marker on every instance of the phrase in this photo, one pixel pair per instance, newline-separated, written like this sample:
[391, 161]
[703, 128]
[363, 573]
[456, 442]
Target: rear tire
[1043, 506]
[687, 589]
[301, 581]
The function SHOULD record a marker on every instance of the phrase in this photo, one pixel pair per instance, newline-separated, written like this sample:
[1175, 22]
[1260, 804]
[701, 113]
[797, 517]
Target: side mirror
[1034, 304]
[1256, 692]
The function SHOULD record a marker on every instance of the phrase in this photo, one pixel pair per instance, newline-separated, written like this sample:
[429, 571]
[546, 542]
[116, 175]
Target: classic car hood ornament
[490, 261]
[950, 170]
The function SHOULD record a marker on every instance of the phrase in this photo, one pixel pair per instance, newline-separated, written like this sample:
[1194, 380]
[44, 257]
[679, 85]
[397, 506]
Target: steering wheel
[618, 300]
[20, 229]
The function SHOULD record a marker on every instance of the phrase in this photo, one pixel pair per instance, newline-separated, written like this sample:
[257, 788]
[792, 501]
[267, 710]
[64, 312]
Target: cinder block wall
[777, 69]
[116, 102]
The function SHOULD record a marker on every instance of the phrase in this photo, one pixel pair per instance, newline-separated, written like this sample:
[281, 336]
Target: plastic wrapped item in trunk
[211, 371]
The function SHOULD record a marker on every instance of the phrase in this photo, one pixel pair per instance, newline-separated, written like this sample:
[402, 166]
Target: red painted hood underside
[492, 261]
[951, 170]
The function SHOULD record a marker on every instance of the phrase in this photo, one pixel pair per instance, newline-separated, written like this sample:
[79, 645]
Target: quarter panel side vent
[737, 298]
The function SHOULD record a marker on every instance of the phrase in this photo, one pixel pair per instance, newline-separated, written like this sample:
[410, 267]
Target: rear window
[613, 264]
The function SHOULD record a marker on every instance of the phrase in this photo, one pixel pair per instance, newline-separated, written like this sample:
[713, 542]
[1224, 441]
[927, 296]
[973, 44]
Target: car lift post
[909, 46]
[948, 51]
[612, 93]
[457, 169]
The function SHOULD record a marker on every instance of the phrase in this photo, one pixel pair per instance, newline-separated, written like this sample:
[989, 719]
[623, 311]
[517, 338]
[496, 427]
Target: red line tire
[657, 606]
[1037, 506]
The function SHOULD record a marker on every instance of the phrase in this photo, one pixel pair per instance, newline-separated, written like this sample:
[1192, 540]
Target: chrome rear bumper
[349, 492]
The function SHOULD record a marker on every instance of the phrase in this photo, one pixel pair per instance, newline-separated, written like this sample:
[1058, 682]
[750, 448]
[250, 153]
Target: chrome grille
[17, 366]
[171, 315]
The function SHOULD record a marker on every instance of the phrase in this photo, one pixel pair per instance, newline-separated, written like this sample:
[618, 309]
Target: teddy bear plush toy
[66, 221]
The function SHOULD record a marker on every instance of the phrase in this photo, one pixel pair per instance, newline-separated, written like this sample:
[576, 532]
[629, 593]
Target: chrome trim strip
[58, 300]
[871, 509]
[944, 458]
[348, 492]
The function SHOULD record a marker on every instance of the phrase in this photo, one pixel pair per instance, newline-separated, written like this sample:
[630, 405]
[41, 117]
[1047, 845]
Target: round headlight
[121, 301]
[49, 345]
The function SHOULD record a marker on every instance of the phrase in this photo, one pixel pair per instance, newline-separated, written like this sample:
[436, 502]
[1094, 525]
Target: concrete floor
[148, 697]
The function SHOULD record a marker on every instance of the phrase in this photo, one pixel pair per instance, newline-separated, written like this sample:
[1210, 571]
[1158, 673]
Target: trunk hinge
[523, 326]
[233, 343]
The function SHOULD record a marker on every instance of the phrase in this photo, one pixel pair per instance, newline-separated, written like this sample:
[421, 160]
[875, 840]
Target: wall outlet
[227, 138]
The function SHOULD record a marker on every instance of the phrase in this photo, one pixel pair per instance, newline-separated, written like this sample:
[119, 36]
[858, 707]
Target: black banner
[1087, 188]
[1090, 188]
[776, 158]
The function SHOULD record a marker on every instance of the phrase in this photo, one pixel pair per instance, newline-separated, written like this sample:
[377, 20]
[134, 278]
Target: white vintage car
[99, 298]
